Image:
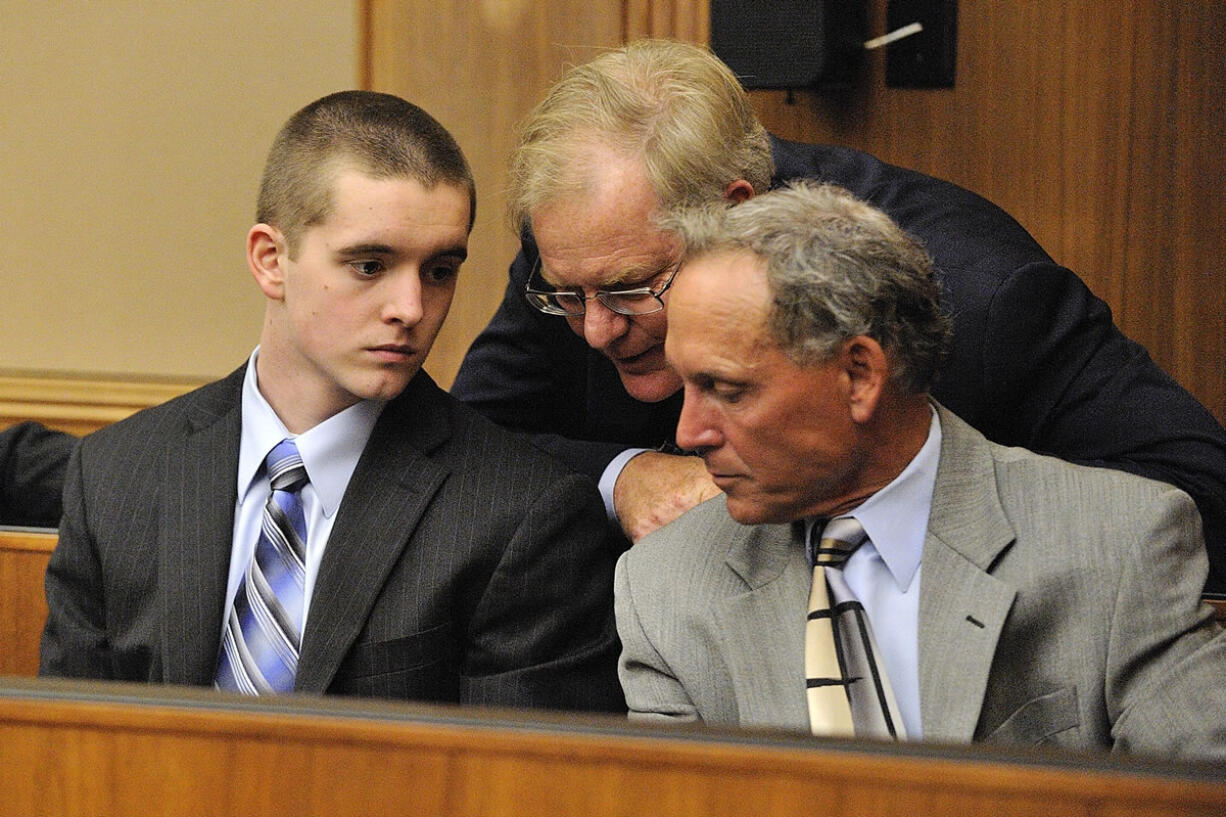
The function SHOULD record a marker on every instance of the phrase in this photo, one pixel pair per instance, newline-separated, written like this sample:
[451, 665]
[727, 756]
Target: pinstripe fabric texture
[261, 642]
[1080, 628]
[464, 565]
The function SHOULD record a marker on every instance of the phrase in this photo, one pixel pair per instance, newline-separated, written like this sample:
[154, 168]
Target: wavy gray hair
[837, 267]
[673, 106]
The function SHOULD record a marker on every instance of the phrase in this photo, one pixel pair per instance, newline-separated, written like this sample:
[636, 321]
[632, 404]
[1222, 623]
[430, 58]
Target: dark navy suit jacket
[32, 463]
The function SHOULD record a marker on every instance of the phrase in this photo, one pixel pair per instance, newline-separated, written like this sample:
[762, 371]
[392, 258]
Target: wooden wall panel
[1099, 129]
[1198, 334]
[479, 67]
[1104, 140]
[676, 19]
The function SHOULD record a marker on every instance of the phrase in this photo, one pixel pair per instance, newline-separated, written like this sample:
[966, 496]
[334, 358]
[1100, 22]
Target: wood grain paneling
[111, 749]
[675, 19]
[1101, 132]
[1198, 331]
[479, 67]
[23, 607]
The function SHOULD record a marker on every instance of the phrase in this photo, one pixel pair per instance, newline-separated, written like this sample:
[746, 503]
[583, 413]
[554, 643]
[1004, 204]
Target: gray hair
[837, 267]
[673, 106]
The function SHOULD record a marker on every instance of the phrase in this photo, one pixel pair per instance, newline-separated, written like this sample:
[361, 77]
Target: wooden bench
[23, 607]
[70, 748]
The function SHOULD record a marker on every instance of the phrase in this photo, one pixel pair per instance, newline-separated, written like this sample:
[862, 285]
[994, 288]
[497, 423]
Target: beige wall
[133, 133]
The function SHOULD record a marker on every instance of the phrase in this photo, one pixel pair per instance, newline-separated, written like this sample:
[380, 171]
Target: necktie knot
[838, 539]
[285, 469]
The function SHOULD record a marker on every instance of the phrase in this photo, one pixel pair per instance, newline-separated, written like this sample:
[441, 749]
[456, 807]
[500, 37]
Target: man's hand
[654, 489]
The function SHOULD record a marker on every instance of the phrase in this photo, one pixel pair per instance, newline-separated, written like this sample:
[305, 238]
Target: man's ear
[267, 254]
[868, 371]
[738, 191]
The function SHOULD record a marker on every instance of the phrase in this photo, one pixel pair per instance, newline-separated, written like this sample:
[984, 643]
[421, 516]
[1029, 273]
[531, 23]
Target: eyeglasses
[636, 301]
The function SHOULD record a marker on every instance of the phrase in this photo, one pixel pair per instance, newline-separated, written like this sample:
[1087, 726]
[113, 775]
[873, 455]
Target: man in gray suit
[436, 556]
[1013, 597]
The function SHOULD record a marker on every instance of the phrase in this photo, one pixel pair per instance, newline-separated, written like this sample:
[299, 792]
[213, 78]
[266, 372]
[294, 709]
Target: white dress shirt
[330, 453]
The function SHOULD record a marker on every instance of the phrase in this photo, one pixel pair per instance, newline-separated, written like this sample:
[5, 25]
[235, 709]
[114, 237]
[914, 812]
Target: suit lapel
[390, 490]
[767, 673]
[962, 607]
[197, 529]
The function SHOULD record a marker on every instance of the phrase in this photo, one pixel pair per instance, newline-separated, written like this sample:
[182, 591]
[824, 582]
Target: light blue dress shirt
[884, 573]
[330, 453]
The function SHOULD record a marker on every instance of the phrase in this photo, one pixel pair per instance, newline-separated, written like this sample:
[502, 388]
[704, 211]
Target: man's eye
[441, 273]
[367, 268]
[720, 390]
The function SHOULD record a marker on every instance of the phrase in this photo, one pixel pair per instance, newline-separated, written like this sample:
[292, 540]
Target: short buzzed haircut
[377, 134]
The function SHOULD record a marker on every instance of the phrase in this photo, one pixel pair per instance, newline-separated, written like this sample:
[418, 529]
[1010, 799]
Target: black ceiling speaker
[790, 43]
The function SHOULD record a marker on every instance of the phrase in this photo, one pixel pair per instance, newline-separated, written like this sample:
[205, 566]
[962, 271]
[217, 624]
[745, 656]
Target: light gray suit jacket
[463, 566]
[1058, 604]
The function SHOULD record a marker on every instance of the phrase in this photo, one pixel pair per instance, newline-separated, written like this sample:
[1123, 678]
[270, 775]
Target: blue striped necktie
[260, 644]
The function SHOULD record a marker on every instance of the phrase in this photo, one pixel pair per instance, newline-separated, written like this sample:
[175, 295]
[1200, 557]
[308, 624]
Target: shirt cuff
[609, 478]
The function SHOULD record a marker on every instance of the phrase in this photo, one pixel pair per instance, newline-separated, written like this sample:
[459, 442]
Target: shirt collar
[896, 517]
[330, 451]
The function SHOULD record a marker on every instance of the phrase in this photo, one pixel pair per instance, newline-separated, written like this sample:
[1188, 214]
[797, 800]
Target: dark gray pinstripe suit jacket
[464, 565]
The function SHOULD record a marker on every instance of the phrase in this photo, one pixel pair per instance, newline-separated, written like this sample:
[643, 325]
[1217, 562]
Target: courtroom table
[73, 748]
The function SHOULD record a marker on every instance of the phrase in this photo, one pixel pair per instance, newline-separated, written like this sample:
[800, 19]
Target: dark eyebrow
[458, 251]
[366, 249]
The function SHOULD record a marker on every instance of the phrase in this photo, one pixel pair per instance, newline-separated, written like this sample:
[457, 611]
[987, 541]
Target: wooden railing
[72, 749]
[23, 606]
[80, 405]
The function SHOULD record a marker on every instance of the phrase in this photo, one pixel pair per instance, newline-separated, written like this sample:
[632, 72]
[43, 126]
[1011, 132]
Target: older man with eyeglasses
[640, 131]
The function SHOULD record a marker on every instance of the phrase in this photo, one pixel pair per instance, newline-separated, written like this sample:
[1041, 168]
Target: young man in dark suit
[428, 555]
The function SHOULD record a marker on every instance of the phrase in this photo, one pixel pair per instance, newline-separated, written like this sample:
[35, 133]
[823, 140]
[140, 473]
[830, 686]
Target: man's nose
[601, 325]
[403, 304]
[696, 430]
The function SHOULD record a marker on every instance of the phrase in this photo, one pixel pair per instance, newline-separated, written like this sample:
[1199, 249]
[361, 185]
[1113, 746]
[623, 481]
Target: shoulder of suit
[506, 450]
[1107, 493]
[1021, 465]
[694, 534]
[216, 398]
